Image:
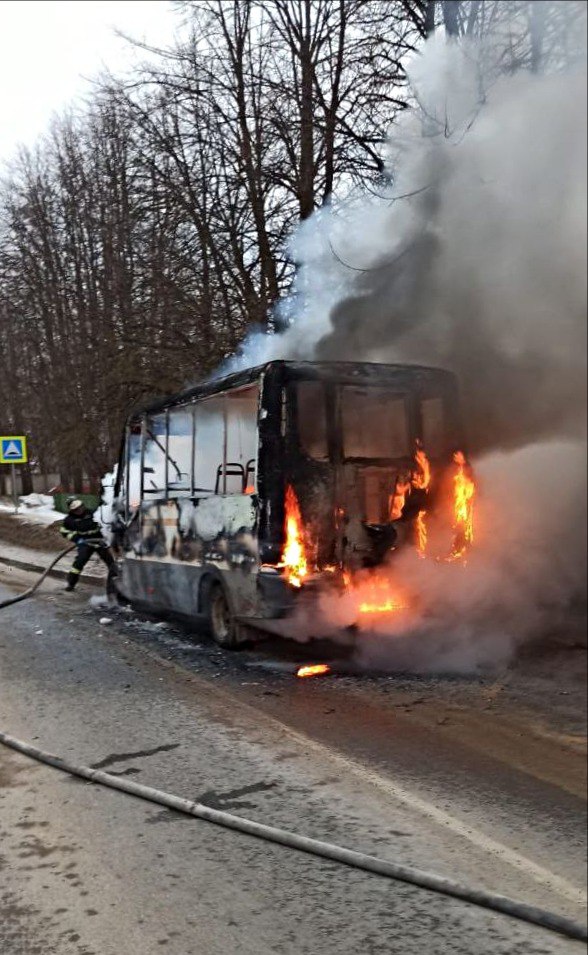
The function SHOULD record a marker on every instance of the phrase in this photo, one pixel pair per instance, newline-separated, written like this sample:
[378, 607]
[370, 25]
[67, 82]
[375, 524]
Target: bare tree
[145, 235]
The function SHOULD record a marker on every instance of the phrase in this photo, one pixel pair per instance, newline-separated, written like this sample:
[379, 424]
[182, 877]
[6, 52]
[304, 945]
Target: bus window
[241, 444]
[374, 422]
[433, 425]
[210, 445]
[154, 470]
[312, 420]
[134, 469]
[179, 452]
[131, 473]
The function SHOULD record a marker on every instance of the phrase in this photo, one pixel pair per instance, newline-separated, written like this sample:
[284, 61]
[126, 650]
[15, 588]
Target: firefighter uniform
[81, 529]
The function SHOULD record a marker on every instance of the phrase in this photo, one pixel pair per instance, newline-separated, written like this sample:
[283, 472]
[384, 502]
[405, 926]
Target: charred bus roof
[334, 371]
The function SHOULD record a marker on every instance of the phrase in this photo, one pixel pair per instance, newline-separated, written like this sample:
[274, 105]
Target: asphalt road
[419, 772]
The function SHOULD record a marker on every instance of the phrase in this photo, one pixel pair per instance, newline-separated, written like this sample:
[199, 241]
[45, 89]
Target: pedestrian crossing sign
[13, 449]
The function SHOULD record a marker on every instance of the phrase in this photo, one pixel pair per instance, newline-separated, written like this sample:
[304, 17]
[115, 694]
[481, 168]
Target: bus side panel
[177, 588]
[162, 586]
[182, 541]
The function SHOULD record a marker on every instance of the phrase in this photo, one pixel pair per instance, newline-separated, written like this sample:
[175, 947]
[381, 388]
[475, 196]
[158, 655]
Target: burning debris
[314, 669]
[378, 596]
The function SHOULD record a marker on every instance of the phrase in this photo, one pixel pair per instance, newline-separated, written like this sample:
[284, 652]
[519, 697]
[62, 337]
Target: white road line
[386, 785]
[537, 872]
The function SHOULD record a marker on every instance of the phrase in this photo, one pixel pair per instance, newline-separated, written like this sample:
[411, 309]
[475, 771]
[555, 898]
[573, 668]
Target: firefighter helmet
[74, 504]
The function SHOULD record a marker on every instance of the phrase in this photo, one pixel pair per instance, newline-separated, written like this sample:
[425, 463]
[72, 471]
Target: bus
[216, 484]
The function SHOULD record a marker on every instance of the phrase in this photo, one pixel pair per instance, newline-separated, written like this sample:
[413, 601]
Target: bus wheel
[114, 594]
[220, 619]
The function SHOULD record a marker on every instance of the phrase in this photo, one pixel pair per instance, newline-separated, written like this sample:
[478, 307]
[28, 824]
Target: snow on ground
[34, 508]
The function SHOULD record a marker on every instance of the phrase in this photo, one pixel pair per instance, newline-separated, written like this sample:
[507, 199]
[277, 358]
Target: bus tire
[114, 594]
[221, 622]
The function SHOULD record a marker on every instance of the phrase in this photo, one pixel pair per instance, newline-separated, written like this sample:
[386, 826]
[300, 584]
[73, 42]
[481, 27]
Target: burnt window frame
[180, 493]
[201, 494]
[147, 434]
[452, 431]
[255, 386]
[413, 392]
[224, 396]
[397, 390]
[160, 494]
[123, 478]
[291, 398]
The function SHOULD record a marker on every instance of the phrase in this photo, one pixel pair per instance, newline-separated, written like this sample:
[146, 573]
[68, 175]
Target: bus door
[309, 468]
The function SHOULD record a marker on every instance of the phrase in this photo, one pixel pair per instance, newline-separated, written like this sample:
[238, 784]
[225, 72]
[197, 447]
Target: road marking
[386, 785]
[537, 872]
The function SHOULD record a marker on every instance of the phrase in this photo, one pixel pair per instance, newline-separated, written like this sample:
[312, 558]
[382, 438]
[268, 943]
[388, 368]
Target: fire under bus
[237, 497]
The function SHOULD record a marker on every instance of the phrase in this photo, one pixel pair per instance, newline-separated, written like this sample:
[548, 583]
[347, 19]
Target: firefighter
[81, 529]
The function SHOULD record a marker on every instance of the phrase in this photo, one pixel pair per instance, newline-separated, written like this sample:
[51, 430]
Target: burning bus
[238, 495]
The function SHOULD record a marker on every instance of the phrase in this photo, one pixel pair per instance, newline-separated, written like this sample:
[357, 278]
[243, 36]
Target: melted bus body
[199, 500]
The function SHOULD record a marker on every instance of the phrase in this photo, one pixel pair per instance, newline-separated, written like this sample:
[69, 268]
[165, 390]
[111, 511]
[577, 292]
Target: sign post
[14, 494]
[13, 451]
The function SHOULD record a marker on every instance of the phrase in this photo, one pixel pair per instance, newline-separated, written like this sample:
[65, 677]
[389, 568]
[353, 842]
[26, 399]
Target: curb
[58, 574]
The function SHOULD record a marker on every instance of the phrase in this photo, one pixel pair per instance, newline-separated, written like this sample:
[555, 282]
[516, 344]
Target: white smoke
[474, 261]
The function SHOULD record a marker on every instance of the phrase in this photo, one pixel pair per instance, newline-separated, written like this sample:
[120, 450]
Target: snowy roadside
[22, 532]
[30, 539]
[33, 508]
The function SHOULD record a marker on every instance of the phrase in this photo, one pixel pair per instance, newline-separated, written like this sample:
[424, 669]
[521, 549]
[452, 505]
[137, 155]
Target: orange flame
[421, 533]
[464, 491]
[398, 498]
[294, 556]
[316, 669]
[379, 598]
[421, 478]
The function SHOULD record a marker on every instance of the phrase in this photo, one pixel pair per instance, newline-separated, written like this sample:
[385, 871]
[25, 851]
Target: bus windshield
[374, 423]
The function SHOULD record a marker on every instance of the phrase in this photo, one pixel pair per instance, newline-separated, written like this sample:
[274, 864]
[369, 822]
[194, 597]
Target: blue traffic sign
[13, 449]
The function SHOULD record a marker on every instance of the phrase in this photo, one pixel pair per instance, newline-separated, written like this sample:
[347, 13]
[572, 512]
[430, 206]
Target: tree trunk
[26, 479]
[451, 17]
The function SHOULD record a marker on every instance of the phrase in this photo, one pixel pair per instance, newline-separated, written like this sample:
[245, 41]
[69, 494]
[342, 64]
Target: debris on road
[316, 669]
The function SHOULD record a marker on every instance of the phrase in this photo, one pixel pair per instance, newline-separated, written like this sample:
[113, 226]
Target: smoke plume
[475, 261]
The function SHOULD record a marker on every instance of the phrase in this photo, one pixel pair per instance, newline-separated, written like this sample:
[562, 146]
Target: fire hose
[350, 857]
[37, 584]
[326, 850]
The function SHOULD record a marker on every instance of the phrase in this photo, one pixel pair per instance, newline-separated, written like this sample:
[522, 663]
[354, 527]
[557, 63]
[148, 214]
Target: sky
[51, 49]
